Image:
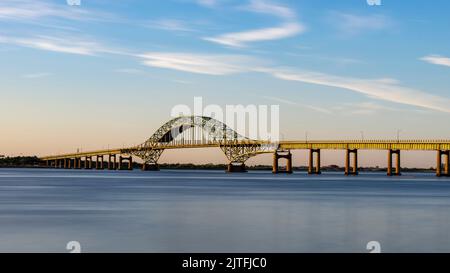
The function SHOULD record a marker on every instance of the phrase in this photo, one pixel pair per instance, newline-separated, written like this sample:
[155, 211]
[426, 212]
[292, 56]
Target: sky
[107, 73]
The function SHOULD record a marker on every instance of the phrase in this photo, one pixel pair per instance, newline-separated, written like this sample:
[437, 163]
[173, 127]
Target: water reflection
[203, 211]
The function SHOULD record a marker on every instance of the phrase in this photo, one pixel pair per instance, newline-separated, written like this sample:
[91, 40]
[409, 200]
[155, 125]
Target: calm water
[204, 211]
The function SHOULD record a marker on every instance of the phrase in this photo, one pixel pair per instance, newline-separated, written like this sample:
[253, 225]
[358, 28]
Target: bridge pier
[77, 163]
[311, 168]
[397, 165]
[130, 163]
[112, 164]
[276, 156]
[445, 171]
[354, 170]
[88, 162]
[99, 162]
[236, 167]
[150, 167]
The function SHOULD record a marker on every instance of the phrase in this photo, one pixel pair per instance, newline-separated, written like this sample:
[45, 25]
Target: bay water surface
[213, 211]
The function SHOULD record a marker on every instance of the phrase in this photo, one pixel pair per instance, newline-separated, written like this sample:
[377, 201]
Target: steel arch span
[199, 131]
[207, 132]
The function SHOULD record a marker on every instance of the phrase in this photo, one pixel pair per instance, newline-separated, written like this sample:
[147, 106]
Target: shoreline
[249, 168]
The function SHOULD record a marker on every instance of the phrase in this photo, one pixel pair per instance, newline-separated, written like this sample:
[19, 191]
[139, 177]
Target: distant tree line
[19, 161]
[34, 161]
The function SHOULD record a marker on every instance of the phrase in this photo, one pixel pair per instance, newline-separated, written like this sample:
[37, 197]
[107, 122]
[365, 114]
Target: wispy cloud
[240, 39]
[436, 59]
[265, 7]
[289, 28]
[199, 63]
[293, 103]
[60, 44]
[360, 108]
[327, 59]
[31, 9]
[353, 24]
[363, 108]
[386, 89]
[376, 89]
[54, 44]
[171, 25]
[37, 75]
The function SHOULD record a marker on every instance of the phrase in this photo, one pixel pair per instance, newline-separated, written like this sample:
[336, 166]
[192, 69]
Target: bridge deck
[419, 145]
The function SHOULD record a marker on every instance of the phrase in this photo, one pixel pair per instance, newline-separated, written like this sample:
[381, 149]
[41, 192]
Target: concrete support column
[129, 165]
[439, 163]
[347, 161]
[236, 167]
[69, 163]
[447, 163]
[99, 162]
[112, 164]
[389, 165]
[311, 168]
[397, 165]
[88, 162]
[289, 163]
[65, 163]
[439, 170]
[275, 163]
[150, 167]
[354, 170]
[109, 162]
[282, 154]
[318, 162]
[120, 163]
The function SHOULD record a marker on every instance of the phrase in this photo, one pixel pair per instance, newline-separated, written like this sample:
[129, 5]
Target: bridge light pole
[398, 134]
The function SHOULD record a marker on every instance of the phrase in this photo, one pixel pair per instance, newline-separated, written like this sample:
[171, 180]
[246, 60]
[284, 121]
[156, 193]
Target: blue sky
[337, 68]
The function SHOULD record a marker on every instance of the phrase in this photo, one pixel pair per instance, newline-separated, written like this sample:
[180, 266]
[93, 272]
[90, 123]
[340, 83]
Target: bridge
[206, 132]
